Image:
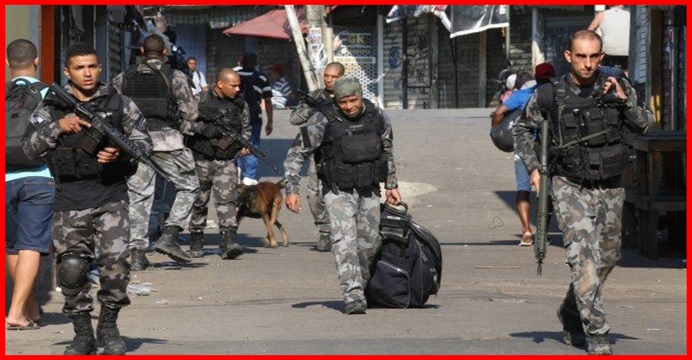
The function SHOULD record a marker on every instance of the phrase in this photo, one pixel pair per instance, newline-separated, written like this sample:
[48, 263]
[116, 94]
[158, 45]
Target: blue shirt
[519, 98]
[42, 170]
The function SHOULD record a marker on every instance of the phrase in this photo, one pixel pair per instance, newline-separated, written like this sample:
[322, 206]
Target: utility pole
[308, 68]
[319, 40]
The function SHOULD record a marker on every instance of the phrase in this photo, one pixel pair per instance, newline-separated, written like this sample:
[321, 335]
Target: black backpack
[408, 267]
[21, 99]
[250, 95]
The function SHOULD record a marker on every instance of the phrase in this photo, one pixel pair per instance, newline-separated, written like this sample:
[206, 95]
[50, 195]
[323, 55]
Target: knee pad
[72, 271]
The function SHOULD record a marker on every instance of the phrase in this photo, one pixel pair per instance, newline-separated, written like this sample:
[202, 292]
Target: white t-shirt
[199, 80]
[615, 27]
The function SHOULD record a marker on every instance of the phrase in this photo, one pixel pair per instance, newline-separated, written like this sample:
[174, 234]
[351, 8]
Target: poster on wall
[469, 19]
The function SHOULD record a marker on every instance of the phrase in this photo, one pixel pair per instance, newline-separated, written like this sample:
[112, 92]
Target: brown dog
[263, 201]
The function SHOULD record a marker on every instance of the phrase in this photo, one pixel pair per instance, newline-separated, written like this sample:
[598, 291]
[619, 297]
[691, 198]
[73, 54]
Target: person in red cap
[516, 102]
[544, 72]
[281, 89]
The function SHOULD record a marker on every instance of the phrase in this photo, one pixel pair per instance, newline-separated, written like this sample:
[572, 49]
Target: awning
[273, 24]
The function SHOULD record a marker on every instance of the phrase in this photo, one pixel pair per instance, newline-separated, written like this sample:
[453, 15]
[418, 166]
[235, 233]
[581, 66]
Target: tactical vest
[586, 135]
[69, 162]
[152, 90]
[352, 153]
[218, 149]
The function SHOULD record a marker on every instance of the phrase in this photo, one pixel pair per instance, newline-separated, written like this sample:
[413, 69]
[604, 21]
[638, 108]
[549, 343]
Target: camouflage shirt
[315, 130]
[524, 129]
[172, 139]
[47, 132]
[88, 192]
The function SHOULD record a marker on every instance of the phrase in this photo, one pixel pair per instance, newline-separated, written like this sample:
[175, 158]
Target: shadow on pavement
[542, 336]
[334, 305]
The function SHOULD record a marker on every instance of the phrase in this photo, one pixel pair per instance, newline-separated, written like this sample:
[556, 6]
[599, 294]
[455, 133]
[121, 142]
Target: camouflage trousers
[220, 178]
[179, 166]
[354, 220]
[316, 199]
[102, 234]
[591, 223]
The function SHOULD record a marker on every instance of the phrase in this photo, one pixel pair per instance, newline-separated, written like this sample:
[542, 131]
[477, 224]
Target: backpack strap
[38, 86]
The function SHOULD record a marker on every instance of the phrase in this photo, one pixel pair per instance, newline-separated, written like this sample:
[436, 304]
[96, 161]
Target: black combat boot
[229, 249]
[197, 244]
[357, 307]
[572, 329]
[168, 244]
[108, 334]
[598, 344]
[324, 244]
[139, 260]
[84, 342]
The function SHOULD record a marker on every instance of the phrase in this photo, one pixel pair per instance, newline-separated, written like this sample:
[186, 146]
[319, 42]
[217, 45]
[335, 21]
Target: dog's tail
[282, 183]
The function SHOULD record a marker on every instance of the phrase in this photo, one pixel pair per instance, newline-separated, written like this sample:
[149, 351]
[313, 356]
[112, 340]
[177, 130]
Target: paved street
[287, 300]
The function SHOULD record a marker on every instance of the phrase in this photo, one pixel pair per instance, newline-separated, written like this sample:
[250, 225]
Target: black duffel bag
[408, 267]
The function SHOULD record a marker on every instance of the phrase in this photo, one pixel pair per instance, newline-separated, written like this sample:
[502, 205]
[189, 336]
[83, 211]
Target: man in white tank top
[614, 25]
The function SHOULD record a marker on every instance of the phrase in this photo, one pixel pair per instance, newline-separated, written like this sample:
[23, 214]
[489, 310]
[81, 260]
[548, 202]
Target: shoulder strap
[546, 96]
[38, 86]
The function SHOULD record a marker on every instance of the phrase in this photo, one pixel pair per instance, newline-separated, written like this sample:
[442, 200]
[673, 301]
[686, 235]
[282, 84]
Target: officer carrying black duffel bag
[408, 267]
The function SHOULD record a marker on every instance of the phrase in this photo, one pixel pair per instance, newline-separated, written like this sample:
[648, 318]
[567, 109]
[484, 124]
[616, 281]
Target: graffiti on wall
[395, 58]
[418, 53]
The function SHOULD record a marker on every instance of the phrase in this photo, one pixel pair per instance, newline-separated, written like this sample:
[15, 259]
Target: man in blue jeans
[257, 92]
[28, 209]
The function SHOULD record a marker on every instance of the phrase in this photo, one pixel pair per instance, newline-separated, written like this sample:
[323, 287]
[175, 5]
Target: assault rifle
[232, 134]
[101, 130]
[539, 246]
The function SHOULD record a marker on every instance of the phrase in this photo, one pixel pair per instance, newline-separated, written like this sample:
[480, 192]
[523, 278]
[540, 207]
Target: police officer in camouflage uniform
[215, 161]
[332, 72]
[91, 211]
[352, 143]
[587, 113]
[164, 96]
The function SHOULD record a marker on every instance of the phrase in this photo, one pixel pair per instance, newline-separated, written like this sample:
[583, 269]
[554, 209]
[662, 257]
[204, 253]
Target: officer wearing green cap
[352, 145]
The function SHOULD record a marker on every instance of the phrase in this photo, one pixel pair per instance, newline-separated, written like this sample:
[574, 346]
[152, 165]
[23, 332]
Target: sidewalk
[287, 300]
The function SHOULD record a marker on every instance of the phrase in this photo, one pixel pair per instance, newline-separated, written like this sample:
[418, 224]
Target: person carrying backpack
[29, 188]
[165, 98]
[255, 87]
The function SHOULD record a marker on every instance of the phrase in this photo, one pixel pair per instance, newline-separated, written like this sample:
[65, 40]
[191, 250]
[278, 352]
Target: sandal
[526, 239]
[30, 326]
[40, 316]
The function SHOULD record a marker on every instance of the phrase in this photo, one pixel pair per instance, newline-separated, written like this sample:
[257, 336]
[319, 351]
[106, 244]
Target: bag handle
[397, 209]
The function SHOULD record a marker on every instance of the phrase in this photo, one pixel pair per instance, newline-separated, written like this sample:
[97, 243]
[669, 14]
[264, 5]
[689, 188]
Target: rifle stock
[100, 129]
[541, 241]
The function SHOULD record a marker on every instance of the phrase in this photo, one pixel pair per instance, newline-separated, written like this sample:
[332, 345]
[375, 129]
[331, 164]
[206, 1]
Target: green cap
[347, 86]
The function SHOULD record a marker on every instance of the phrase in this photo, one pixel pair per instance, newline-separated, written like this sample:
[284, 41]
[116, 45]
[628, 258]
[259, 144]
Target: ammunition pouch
[69, 164]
